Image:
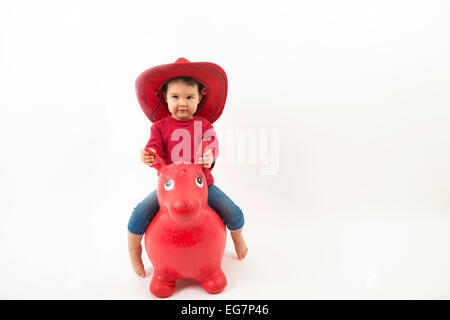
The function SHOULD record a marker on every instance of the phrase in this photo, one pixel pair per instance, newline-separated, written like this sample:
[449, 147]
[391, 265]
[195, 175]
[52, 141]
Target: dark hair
[187, 80]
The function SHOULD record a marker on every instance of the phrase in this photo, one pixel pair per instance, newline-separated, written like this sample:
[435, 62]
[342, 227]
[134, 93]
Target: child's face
[182, 100]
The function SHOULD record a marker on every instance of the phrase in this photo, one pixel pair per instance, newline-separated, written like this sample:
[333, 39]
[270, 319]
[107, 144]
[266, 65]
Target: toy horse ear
[159, 163]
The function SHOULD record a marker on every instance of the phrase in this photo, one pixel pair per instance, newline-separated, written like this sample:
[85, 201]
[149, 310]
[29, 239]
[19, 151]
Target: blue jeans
[228, 211]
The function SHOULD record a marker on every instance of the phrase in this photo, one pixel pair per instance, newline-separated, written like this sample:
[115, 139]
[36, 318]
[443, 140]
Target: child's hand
[207, 160]
[147, 158]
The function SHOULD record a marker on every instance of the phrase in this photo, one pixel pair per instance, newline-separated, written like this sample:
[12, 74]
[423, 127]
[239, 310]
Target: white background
[359, 91]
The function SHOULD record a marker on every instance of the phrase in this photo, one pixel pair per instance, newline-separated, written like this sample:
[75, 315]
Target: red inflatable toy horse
[186, 239]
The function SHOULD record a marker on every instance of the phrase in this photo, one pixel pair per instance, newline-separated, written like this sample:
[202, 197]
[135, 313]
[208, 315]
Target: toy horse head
[182, 190]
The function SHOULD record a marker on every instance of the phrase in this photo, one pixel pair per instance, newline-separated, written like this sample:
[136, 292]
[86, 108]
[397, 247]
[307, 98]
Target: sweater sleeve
[156, 140]
[213, 142]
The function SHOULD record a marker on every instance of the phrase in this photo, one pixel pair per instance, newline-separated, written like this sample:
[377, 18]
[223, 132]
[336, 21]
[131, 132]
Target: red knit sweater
[178, 140]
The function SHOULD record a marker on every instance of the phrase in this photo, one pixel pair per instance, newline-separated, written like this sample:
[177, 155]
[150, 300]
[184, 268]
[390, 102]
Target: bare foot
[136, 263]
[239, 243]
[135, 250]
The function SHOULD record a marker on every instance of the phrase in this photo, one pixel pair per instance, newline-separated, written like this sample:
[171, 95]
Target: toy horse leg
[215, 282]
[162, 284]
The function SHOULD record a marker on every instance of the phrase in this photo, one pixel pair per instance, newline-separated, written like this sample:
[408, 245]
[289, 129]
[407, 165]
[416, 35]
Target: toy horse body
[186, 239]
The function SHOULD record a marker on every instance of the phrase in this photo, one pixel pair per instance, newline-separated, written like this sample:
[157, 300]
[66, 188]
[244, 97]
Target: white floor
[327, 258]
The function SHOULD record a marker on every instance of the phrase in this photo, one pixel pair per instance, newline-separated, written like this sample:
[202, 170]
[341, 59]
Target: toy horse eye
[169, 184]
[199, 182]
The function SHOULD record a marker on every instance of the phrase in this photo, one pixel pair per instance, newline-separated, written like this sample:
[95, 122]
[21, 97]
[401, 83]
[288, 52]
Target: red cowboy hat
[149, 88]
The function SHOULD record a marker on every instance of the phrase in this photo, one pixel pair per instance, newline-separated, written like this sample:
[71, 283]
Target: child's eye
[169, 184]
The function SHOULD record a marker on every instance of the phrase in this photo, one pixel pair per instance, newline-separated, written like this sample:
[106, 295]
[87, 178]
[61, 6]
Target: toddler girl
[192, 92]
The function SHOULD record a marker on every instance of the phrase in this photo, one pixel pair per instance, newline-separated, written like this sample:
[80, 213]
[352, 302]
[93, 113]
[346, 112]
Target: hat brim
[213, 77]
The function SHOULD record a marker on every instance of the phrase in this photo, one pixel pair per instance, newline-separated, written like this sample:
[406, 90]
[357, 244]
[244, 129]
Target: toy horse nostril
[184, 207]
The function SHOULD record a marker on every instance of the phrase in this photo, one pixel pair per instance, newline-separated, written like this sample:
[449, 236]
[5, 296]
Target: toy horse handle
[159, 163]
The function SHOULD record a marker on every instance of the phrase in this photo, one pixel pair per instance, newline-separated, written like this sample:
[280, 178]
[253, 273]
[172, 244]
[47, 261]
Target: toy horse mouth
[184, 212]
